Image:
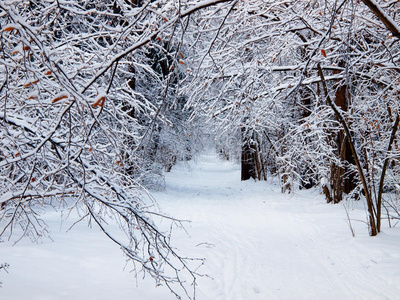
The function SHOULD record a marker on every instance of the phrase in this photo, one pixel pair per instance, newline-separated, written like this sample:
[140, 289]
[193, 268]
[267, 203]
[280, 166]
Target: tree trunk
[342, 177]
[249, 168]
[342, 120]
[385, 18]
[307, 175]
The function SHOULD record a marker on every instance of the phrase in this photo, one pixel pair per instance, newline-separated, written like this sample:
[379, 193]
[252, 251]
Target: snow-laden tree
[87, 94]
[316, 81]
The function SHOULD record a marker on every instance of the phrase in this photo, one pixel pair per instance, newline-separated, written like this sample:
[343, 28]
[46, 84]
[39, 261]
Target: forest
[98, 99]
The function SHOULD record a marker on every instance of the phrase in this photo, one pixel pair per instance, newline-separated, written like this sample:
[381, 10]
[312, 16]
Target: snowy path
[265, 245]
[259, 244]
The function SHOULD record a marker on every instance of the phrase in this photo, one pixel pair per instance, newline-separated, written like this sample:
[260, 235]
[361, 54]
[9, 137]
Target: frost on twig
[4, 267]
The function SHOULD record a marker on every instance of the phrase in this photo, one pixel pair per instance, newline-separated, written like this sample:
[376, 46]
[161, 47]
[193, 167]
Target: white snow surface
[258, 244]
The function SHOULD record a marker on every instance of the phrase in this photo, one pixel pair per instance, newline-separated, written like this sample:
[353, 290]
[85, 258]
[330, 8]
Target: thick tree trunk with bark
[344, 123]
[342, 178]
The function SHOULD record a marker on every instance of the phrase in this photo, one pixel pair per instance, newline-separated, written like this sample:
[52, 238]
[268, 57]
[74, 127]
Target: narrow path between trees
[261, 244]
[258, 244]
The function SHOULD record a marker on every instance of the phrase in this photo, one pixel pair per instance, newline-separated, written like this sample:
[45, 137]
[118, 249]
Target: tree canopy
[98, 97]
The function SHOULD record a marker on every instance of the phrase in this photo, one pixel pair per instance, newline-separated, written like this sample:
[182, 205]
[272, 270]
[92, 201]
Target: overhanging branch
[384, 17]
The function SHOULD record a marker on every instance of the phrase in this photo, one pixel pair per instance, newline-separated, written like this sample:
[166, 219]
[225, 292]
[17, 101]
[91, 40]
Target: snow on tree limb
[390, 24]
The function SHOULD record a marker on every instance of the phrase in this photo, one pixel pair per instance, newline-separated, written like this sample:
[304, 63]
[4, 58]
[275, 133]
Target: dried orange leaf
[59, 97]
[29, 82]
[323, 52]
[100, 102]
[33, 95]
[10, 27]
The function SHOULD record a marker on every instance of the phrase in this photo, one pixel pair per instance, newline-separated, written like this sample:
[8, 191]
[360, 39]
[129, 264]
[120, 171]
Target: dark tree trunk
[345, 124]
[307, 175]
[342, 177]
[249, 168]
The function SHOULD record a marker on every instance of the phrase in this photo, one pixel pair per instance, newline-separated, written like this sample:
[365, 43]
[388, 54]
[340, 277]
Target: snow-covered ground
[258, 244]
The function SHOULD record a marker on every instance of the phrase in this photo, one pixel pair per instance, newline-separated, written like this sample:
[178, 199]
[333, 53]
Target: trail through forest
[266, 245]
[258, 244]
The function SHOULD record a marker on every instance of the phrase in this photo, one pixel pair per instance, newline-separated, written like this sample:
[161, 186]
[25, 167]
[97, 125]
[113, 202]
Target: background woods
[310, 90]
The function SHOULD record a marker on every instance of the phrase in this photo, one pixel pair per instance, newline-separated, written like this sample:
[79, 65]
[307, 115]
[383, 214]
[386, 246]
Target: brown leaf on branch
[100, 102]
[10, 28]
[59, 97]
